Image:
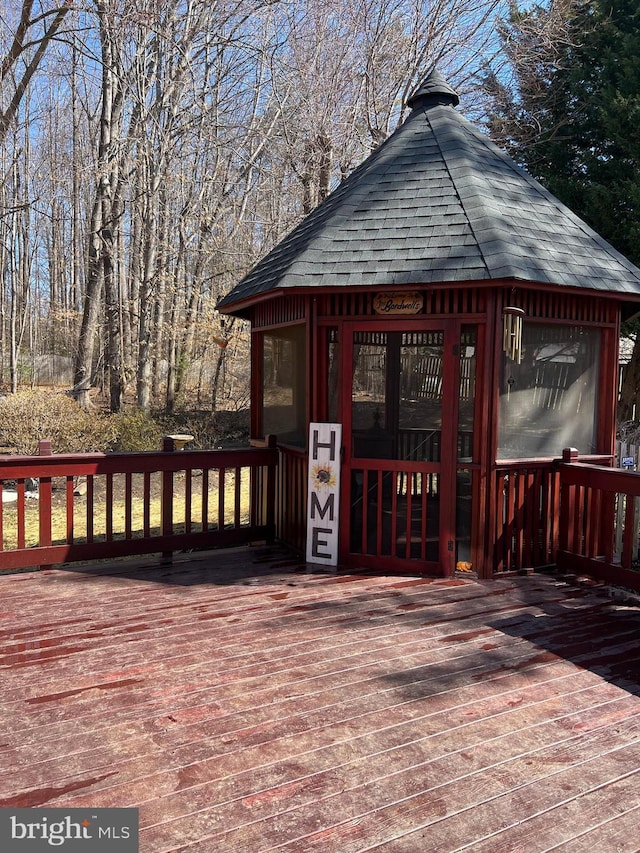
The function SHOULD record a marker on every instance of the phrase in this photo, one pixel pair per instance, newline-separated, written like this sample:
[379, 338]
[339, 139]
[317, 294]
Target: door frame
[451, 328]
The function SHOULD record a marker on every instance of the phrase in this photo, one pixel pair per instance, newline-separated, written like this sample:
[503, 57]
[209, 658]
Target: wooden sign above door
[395, 304]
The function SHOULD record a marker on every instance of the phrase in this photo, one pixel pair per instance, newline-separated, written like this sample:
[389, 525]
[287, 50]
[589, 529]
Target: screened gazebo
[461, 326]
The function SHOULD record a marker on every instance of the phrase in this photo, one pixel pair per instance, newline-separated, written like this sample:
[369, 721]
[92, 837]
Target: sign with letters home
[323, 503]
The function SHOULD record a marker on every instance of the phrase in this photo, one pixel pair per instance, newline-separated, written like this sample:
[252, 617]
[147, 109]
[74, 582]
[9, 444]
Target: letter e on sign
[323, 503]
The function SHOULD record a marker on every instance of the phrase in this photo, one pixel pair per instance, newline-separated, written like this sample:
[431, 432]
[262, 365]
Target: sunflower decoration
[323, 475]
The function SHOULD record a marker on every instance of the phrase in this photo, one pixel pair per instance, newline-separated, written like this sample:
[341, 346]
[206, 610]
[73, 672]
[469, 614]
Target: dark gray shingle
[439, 202]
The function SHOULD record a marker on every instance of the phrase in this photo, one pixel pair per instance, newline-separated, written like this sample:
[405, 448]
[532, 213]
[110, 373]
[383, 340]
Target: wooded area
[152, 152]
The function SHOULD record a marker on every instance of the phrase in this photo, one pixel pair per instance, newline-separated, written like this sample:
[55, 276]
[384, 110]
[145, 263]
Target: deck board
[245, 703]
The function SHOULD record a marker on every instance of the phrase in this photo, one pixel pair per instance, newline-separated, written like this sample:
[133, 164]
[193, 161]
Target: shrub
[135, 431]
[29, 416]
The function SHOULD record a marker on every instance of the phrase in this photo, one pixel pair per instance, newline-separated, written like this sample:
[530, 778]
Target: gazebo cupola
[461, 325]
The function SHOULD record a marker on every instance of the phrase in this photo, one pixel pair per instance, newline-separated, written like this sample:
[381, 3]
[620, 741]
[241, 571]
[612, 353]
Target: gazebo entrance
[404, 441]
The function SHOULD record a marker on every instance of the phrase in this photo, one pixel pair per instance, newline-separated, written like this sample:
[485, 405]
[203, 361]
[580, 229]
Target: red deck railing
[526, 517]
[598, 509]
[570, 512]
[525, 521]
[92, 506]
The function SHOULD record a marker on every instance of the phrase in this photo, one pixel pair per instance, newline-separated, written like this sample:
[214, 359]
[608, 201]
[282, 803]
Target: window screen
[549, 401]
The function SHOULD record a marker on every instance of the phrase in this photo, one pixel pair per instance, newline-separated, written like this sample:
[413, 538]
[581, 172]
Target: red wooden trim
[379, 519]
[608, 524]
[44, 510]
[146, 521]
[167, 503]
[627, 540]
[320, 376]
[409, 519]
[45, 499]
[448, 460]
[449, 448]
[21, 514]
[256, 381]
[101, 545]
[536, 524]
[69, 509]
[237, 502]
[482, 485]
[554, 513]
[86, 464]
[363, 512]
[205, 499]
[109, 507]
[270, 497]
[424, 514]
[164, 545]
[128, 505]
[90, 507]
[492, 358]
[600, 477]
[607, 390]
[587, 543]
[188, 491]
[592, 530]
[316, 368]
[578, 522]
[598, 569]
[222, 487]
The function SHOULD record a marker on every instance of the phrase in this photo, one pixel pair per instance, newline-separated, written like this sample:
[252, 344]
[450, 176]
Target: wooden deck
[245, 704]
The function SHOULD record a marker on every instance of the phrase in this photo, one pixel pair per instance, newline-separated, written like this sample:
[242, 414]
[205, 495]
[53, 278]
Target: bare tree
[182, 139]
[36, 27]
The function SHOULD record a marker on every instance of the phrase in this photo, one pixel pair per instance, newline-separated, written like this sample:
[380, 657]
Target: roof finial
[433, 91]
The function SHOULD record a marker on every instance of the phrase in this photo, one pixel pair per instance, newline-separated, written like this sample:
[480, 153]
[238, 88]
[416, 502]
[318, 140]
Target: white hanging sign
[323, 503]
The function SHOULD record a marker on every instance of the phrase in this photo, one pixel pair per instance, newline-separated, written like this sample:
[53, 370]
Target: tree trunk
[82, 375]
[102, 236]
[218, 373]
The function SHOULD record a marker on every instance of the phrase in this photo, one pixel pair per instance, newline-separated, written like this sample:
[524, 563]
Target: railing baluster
[627, 536]
[44, 502]
[205, 499]
[363, 510]
[379, 515]
[1, 519]
[222, 487]
[409, 513]
[70, 509]
[20, 511]
[188, 492]
[146, 505]
[128, 505]
[108, 510]
[90, 508]
[237, 496]
[394, 514]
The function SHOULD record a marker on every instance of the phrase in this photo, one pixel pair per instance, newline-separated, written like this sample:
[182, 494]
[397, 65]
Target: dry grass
[119, 511]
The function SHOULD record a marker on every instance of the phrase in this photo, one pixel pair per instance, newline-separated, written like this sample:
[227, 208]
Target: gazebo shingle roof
[438, 202]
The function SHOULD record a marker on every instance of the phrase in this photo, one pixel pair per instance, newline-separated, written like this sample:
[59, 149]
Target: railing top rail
[598, 459]
[599, 477]
[72, 464]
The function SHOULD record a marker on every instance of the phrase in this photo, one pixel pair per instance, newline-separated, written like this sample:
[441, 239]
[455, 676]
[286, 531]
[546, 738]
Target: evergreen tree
[572, 117]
